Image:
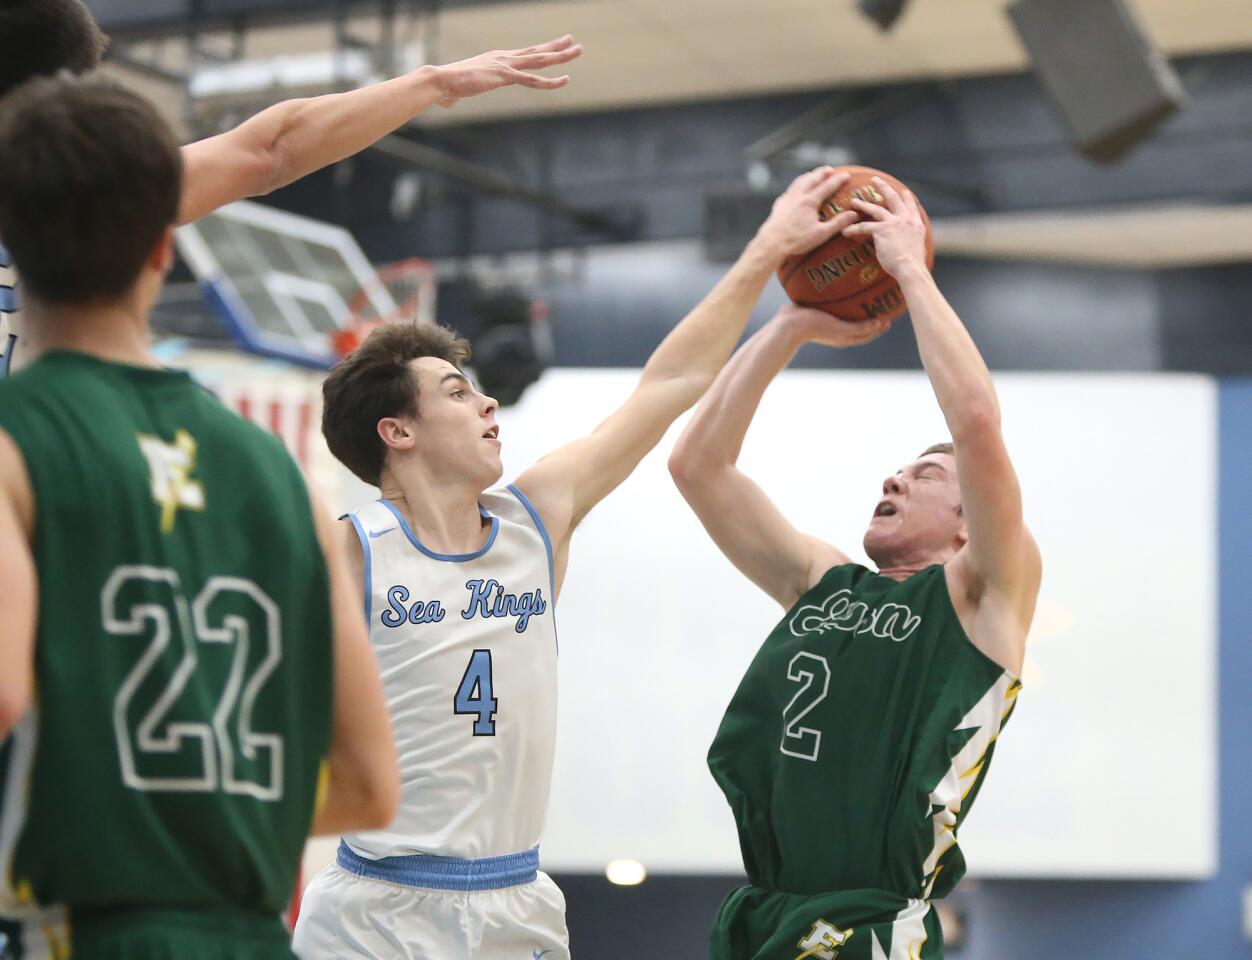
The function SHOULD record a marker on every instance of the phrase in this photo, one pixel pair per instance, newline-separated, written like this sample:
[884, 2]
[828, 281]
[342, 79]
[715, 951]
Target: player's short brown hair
[91, 178]
[945, 447]
[40, 38]
[374, 382]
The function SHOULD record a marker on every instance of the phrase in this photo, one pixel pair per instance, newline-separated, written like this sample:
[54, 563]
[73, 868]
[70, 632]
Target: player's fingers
[866, 228]
[825, 186]
[537, 61]
[560, 43]
[894, 202]
[839, 222]
[805, 180]
[535, 81]
[915, 206]
[874, 211]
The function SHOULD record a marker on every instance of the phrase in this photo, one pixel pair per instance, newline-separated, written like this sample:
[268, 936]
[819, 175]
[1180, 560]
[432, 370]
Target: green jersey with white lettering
[850, 754]
[183, 653]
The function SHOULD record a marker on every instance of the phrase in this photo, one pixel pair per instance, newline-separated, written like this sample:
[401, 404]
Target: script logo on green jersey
[171, 466]
[824, 941]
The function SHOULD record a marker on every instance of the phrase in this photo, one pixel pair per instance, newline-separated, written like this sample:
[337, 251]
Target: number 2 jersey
[467, 648]
[183, 653]
[859, 738]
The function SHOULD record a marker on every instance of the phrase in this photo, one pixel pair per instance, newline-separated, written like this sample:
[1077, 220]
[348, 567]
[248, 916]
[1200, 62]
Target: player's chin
[876, 540]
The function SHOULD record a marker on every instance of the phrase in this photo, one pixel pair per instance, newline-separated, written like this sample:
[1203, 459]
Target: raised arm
[292, 139]
[566, 484]
[744, 523]
[1000, 564]
[21, 587]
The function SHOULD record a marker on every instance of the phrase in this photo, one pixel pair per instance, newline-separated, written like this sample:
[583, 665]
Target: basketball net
[410, 284]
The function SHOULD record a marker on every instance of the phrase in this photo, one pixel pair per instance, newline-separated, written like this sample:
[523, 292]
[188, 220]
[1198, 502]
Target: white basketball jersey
[467, 649]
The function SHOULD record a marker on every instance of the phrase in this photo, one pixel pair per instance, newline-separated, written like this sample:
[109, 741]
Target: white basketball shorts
[432, 908]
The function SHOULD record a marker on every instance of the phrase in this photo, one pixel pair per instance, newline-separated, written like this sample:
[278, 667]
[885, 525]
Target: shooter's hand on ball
[505, 68]
[816, 326]
[896, 226]
[795, 226]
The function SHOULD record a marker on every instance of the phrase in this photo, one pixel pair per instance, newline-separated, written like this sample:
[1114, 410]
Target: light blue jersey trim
[547, 542]
[543, 532]
[365, 554]
[445, 873]
[449, 557]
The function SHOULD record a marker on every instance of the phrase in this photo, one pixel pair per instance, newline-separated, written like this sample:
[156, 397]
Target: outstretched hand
[896, 226]
[817, 326]
[505, 68]
[795, 224]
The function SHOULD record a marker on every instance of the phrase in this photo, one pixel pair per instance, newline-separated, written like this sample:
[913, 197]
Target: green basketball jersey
[859, 737]
[183, 656]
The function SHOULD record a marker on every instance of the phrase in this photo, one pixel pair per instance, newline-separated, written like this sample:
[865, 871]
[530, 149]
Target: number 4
[474, 695]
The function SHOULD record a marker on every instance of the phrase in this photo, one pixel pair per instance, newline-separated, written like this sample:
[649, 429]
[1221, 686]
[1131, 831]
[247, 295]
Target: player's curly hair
[40, 38]
[373, 382]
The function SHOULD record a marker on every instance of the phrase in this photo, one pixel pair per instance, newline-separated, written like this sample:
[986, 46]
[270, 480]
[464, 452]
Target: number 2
[474, 695]
[798, 741]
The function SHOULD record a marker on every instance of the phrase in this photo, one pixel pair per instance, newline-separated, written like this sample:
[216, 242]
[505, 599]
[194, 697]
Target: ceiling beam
[150, 19]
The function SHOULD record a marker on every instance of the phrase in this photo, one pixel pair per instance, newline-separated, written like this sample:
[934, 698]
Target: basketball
[843, 276]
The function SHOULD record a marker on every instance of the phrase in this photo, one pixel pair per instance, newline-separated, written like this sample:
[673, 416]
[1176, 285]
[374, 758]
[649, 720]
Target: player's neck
[901, 571]
[117, 332]
[444, 517]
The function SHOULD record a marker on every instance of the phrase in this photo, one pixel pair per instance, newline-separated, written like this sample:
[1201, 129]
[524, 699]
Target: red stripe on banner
[244, 403]
[297, 894]
[302, 438]
[276, 419]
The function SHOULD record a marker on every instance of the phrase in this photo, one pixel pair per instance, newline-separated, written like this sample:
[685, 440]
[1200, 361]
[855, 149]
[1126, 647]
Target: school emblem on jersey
[170, 466]
[824, 941]
[887, 621]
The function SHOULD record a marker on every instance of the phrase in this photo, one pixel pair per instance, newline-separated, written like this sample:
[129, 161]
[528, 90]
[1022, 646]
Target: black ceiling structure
[130, 20]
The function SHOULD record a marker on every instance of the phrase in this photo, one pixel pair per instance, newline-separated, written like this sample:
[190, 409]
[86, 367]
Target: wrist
[913, 275]
[432, 78]
[789, 328]
[765, 250]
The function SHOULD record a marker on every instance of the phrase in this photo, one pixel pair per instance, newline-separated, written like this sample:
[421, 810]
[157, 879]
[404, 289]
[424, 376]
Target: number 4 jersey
[850, 754]
[467, 648]
[183, 655]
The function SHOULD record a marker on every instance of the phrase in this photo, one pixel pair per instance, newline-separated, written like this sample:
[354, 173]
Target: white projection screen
[1108, 768]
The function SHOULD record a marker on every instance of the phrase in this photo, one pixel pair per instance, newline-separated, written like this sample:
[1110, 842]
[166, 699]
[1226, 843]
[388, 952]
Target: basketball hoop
[403, 292]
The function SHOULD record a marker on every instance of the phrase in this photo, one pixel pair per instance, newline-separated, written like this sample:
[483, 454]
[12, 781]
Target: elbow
[14, 705]
[979, 417]
[686, 467]
[272, 171]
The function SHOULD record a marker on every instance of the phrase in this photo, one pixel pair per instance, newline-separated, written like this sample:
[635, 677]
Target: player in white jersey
[460, 580]
[276, 147]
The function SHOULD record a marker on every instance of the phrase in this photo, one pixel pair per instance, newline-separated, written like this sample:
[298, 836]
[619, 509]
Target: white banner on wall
[1108, 768]
[1109, 765]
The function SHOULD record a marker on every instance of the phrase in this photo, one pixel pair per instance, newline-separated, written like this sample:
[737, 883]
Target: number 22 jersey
[183, 654]
[467, 648]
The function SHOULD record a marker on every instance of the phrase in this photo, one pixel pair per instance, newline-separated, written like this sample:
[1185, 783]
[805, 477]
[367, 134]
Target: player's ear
[162, 258]
[395, 433]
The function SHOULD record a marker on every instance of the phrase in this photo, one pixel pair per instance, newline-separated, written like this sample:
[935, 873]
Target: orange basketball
[843, 276]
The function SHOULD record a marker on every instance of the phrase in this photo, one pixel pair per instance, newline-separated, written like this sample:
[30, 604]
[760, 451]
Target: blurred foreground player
[182, 664]
[460, 580]
[272, 149]
[860, 735]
